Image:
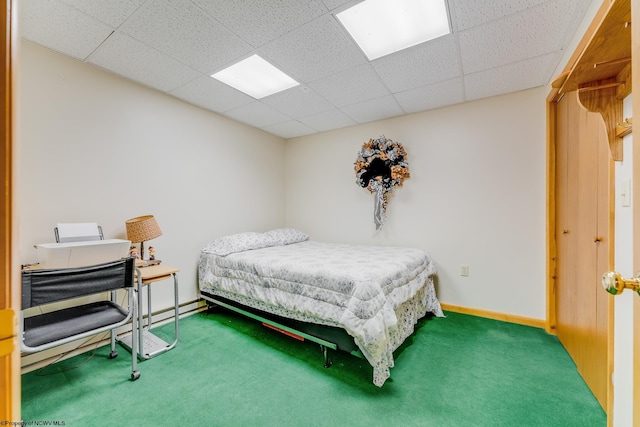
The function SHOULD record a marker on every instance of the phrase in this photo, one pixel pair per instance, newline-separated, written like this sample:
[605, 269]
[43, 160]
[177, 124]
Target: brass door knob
[614, 283]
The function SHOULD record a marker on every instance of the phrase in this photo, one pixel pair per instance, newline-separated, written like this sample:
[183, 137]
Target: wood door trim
[9, 364]
[635, 102]
[550, 324]
[610, 298]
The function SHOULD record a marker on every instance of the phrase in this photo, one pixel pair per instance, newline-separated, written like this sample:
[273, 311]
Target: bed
[372, 294]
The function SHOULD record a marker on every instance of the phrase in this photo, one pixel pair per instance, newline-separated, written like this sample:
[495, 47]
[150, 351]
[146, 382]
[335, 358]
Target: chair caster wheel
[113, 355]
[135, 375]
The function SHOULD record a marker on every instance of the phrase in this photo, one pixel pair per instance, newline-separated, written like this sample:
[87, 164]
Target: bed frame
[328, 337]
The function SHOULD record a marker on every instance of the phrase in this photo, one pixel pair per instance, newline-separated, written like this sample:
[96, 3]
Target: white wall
[476, 196]
[94, 147]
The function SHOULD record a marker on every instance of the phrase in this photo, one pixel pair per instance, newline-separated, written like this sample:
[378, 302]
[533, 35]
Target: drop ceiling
[173, 46]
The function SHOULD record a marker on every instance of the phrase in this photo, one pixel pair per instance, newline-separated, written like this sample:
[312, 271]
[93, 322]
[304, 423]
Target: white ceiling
[496, 47]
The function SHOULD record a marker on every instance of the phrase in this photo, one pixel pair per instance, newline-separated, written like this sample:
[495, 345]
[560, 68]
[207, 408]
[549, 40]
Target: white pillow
[285, 236]
[240, 242]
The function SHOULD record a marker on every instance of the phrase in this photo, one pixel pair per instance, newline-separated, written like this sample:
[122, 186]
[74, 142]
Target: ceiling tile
[327, 120]
[473, 13]
[351, 86]
[433, 96]
[374, 109]
[128, 57]
[258, 22]
[297, 102]
[61, 27]
[510, 78]
[531, 33]
[183, 31]
[421, 65]
[334, 4]
[174, 45]
[112, 12]
[209, 93]
[289, 129]
[257, 114]
[318, 49]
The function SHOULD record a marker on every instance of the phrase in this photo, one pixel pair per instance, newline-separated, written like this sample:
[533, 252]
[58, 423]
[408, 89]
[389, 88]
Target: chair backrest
[78, 232]
[46, 286]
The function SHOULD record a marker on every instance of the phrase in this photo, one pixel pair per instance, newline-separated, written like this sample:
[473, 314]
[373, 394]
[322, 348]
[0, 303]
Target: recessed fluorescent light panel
[381, 27]
[255, 77]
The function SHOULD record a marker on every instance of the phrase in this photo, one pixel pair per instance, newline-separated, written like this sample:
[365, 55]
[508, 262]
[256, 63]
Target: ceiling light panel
[255, 77]
[381, 27]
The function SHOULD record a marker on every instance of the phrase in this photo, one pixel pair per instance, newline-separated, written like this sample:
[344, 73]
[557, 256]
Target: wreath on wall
[381, 166]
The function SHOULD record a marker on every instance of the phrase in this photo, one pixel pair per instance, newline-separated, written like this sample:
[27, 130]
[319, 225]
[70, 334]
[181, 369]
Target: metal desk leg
[135, 374]
[149, 344]
[140, 311]
[130, 341]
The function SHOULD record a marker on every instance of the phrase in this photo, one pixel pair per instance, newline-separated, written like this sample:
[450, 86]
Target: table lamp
[141, 229]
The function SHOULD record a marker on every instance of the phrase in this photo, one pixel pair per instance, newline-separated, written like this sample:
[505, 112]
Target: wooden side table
[150, 345]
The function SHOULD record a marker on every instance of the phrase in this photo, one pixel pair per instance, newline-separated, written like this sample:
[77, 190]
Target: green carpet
[229, 371]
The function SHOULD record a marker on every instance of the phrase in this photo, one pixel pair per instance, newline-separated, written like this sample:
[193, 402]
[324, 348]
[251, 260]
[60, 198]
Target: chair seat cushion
[57, 325]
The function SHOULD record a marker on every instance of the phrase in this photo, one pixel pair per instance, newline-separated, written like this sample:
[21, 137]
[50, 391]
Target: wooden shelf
[607, 53]
[601, 71]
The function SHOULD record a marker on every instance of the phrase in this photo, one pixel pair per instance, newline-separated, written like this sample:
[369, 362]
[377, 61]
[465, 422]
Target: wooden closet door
[566, 231]
[596, 372]
[583, 229]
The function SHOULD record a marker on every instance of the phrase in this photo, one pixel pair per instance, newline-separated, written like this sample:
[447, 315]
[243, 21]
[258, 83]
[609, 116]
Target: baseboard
[511, 318]
[33, 361]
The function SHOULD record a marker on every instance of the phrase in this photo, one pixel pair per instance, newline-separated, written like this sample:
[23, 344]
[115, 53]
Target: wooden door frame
[635, 102]
[9, 305]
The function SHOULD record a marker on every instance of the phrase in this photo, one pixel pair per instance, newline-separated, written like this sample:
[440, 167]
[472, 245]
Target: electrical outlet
[464, 270]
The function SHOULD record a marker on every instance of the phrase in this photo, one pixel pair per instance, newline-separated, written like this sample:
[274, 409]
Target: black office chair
[47, 330]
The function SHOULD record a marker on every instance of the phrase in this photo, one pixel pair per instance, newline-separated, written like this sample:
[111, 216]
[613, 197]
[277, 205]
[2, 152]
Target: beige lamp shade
[142, 228]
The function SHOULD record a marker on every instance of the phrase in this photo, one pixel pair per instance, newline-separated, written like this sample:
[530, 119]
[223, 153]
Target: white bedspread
[357, 288]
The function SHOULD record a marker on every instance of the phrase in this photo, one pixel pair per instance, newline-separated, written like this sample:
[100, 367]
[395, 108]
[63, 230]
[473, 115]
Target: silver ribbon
[378, 204]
